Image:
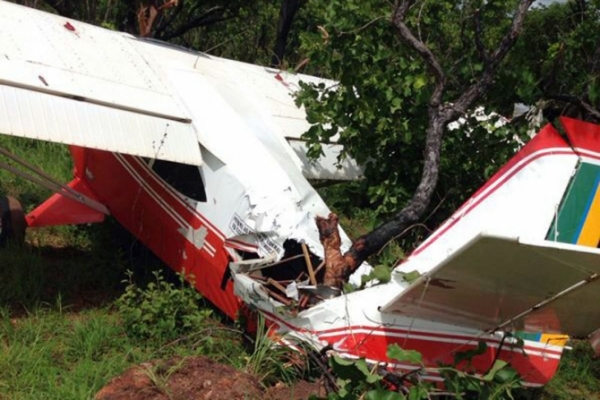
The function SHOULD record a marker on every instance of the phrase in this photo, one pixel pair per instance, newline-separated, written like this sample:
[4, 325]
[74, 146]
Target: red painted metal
[60, 210]
[146, 206]
[583, 136]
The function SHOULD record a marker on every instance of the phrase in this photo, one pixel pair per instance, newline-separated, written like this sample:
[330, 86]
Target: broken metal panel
[263, 197]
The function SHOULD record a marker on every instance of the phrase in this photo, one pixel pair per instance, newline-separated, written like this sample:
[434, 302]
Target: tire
[12, 221]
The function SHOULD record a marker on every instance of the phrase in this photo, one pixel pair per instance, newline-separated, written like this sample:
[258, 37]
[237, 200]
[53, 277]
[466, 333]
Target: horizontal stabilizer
[60, 210]
[500, 282]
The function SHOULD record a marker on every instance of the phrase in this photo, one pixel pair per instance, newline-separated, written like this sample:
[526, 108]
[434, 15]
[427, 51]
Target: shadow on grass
[75, 267]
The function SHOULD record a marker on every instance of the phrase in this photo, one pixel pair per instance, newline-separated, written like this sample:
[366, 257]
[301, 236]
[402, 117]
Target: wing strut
[49, 182]
[544, 303]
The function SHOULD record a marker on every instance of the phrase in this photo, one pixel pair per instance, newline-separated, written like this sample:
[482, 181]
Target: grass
[578, 376]
[53, 354]
[53, 159]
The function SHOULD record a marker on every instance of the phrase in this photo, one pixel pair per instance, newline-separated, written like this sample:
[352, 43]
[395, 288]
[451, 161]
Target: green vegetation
[578, 376]
[161, 311]
[358, 380]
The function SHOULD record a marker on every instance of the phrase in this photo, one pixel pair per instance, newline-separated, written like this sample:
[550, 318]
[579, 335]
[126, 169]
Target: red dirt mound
[196, 378]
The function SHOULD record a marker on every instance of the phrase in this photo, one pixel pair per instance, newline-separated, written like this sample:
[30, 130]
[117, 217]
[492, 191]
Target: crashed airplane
[202, 159]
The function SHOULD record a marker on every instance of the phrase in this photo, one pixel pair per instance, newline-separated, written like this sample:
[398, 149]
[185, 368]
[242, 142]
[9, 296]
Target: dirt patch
[196, 378]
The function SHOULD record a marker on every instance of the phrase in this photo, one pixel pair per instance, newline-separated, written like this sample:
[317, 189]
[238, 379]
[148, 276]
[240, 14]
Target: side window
[186, 179]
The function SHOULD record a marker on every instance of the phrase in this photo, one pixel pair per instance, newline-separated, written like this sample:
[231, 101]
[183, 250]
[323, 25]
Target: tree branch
[478, 42]
[167, 21]
[287, 12]
[211, 16]
[483, 83]
[406, 35]
[438, 116]
[578, 102]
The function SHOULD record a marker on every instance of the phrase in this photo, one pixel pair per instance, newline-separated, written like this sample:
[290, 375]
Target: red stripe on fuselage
[371, 342]
[154, 213]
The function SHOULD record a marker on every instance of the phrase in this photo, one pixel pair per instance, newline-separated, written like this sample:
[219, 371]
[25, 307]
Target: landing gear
[12, 221]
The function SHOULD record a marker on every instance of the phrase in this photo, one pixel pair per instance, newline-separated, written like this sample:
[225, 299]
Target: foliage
[161, 310]
[558, 61]
[498, 382]
[379, 105]
[356, 379]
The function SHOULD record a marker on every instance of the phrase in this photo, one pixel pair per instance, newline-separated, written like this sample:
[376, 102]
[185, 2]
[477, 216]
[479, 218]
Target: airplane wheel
[12, 221]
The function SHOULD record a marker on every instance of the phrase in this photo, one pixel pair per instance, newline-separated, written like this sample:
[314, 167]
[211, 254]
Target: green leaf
[383, 394]
[418, 392]
[345, 369]
[395, 352]
[420, 81]
[382, 273]
[362, 366]
[498, 365]
[507, 374]
[411, 276]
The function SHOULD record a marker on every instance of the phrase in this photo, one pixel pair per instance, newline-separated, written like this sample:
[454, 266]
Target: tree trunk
[337, 268]
[287, 12]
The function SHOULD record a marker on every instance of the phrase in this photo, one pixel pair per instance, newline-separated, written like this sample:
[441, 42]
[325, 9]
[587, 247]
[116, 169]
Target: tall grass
[50, 354]
[578, 376]
[53, 159]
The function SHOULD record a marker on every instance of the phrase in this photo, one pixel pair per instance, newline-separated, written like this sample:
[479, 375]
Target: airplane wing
[277, 89]
[491, 280]
[269, 103]
[69, 82]
[522, 253]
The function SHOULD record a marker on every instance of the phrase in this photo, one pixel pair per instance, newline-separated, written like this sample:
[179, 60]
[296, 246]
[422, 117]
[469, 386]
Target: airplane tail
[522, 253]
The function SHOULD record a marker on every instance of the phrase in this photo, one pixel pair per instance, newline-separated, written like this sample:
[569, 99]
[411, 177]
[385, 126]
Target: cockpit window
[184, 178]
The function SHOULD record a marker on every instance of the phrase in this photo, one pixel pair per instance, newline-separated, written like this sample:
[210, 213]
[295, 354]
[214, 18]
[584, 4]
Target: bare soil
[197, 378]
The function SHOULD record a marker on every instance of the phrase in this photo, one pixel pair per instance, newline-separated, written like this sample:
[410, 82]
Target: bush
[161, 311]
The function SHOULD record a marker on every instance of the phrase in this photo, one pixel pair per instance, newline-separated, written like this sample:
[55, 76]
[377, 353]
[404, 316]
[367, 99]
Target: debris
[291, 291]
[311, 271]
